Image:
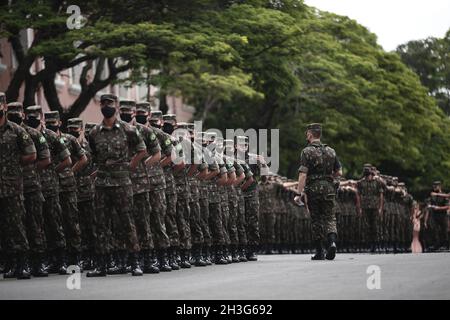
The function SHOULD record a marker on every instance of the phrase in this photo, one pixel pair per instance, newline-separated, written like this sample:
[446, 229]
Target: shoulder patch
[152, 136]
[62, 140]
[25, 136]
[42, 139]
[167, 142]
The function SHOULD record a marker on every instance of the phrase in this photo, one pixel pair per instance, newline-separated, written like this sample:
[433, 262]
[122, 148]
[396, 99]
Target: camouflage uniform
[319, 162]
[439, 222]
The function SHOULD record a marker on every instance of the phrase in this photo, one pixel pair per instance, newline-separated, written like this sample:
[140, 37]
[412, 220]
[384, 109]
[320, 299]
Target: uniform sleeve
[25, 142]
[303, 163]
[337, 164]
[42, 148]
[152, 143]
[248, 172]
[136, 141]
[77, 149]
[238, 168]
[166, 145]
[61, 149]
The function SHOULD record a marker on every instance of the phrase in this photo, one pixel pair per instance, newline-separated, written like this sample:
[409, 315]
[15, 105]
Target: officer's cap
[108, 96]
[15, 107]
[51, 116]
[75, 123]
[314, 126]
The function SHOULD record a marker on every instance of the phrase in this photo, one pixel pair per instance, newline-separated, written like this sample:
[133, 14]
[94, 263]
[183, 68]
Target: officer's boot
[207, 255]
[185, 253]
[10, 266]
[38, 269]
[61, 264]
[149, 265]
[21, 271]
[331, 248]
[242, 254]
[111, 264]
[100, 267]
[218, 256]
[163, 261]
[197, 256]
[251, 253]
[319, 251]
[234, 254]
[172, 256]
[135, 264]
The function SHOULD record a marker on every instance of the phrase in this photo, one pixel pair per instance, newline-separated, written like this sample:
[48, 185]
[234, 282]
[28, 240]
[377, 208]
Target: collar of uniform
[6, 125]
[115, 125]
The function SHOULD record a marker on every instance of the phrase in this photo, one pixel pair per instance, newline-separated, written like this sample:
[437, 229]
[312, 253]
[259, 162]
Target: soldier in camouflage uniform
[141, 186]
[68, 187]
[85, 193]
[370, 205]
[16, 150]
[117, 149]
[267, 195]
[319, 166]
[53, 220]
[34, 220]
[163, 192]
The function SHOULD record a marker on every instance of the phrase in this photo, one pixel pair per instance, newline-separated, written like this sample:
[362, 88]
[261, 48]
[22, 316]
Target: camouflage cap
[127, 105]
[51, 116]
[368, 165]
[436, 183]
[314, 126]
[156, 115]
[241, 140]
[169, 117]
[89, 126]
[15, 107]
[228, 143]
[108, 96]
[143, 106]
[75, 123]
[211, 136]
[33, 110]
[2, 97]
[183, 125]
[401, 184]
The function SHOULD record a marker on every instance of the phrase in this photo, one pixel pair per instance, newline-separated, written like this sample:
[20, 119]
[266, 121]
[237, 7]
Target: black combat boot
[172, 255]
[61, 264]
[10, 266]
[207, 255]
[100, 268]
[135, 265]
[87, 262]
[163, 262]
[331, 248]
[111, 264]
[242, 255]
[251, 253]
[185, 259]
[150, 266]
[74, 260]
[21, 271]
[197, 256]
[319, 251]
[226, 254]
[218, 256]
[234, 254]
[38, 269]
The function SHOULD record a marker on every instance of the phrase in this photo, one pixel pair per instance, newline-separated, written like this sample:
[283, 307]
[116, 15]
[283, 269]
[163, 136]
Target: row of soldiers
[374, 214]
[139, 194]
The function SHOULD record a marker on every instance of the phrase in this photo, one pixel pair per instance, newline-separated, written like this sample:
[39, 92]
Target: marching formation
[141, 193]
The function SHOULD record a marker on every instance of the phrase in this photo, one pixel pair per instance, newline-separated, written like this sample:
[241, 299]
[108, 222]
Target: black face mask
[108, 111]
[127, 117]
[168, 128]
[52, 127]
[76, 134]
[141, 118]
[33, 122]
[155, 124]
[14, 117]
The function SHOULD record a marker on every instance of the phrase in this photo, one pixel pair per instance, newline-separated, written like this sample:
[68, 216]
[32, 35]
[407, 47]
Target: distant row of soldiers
[374, 214]
[142, 194]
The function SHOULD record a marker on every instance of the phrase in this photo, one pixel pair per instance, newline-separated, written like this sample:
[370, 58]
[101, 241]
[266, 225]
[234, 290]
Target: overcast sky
[394, 21]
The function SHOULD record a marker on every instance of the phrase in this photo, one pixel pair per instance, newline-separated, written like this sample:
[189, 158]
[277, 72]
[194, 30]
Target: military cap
[228, 142]
[15, 107]
[401, 184]
[200, 136]
[89, 126]
[436, 183]
[127, 104]
[190, 127]
[108, 96]
[33, 109]
[169, 117]
[2, 97]
[314, 126]
[211, 136]
[156, 115]
[51, 116]
[143, 106]
[368, 165]
[241, 140]
[75, 123]
[182, 125]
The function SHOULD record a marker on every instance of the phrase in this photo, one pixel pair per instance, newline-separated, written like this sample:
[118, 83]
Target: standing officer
[34, 220]
[438, 208]
[370, 201]
[68, 184]
[16, 150]
[117, 148]
[319, 166]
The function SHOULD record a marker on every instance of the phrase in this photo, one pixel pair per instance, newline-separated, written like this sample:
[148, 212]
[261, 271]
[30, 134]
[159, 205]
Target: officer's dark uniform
[440, 221]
